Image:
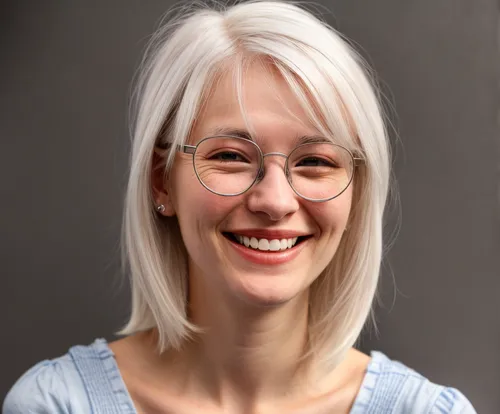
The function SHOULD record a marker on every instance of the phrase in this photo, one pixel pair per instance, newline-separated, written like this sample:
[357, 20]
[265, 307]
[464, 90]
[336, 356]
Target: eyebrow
[235, 132]
[243, 133]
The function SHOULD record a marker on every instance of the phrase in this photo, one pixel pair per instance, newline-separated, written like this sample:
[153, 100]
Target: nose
[272, 194]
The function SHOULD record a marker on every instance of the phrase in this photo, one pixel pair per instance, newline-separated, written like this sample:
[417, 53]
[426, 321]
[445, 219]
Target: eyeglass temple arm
[358, 161]
[187, 149]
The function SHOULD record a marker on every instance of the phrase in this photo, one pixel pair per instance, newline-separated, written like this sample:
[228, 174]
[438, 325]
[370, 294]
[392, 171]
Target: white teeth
[265, 245]
[274, 245]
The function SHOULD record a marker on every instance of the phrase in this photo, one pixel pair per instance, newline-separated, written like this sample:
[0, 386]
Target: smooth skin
[255, 314]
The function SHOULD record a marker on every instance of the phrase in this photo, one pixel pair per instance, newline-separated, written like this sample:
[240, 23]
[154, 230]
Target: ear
[160, 183]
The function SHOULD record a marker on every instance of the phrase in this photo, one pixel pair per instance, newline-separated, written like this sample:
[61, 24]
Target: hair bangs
[337, 125]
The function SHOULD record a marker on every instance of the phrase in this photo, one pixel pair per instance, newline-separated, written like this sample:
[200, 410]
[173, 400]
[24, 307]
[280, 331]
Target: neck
[247, 354]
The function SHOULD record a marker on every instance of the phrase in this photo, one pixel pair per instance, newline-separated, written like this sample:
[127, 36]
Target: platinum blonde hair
[335, 87]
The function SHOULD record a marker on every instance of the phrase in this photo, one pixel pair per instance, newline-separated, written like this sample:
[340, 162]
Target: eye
[228, 156]
[315, 162]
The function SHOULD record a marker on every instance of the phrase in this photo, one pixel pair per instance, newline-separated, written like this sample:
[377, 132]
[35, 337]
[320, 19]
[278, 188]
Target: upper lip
[269, 234]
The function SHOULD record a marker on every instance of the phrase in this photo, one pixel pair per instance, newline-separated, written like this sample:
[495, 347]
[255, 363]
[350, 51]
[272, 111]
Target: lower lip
[269, 257]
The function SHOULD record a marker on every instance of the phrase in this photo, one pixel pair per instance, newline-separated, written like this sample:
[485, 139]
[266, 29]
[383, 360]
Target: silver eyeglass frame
[191, 149]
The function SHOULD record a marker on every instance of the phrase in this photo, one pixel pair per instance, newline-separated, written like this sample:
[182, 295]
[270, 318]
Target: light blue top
[87, 380]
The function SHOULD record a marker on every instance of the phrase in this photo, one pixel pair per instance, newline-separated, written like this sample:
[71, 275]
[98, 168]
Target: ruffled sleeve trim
[390, 386]
[365, 397]
[97, 367]
[452, 401]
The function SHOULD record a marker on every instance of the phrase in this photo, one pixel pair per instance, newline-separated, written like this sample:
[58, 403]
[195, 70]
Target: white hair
[334, 85]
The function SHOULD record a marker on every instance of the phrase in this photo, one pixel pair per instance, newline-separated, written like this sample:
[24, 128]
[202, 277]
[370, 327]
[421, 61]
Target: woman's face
[211, 224]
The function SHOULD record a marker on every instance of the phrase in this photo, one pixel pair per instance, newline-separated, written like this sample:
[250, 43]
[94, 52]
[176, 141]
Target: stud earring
[160, 208]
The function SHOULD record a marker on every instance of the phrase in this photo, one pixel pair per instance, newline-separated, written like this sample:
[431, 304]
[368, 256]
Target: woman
[252, 230]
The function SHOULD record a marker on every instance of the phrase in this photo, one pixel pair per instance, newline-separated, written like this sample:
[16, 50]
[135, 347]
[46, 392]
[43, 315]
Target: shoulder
[392, 386]
[50, 386]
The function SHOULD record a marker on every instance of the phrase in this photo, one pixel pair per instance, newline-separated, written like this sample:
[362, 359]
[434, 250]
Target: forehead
[262, 103]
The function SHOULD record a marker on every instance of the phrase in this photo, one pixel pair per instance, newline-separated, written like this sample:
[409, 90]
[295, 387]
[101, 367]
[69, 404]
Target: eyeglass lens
[229, 166]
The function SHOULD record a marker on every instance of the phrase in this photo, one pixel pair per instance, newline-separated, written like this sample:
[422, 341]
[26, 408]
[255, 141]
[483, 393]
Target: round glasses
[230, 166]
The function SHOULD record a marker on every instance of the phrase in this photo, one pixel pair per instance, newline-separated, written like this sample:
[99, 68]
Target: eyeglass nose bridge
[262, 171]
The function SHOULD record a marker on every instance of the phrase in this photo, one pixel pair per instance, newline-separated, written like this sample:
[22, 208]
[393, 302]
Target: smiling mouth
[265, 245]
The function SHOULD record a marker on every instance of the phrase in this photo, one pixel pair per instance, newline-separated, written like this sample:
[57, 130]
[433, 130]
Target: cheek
[199, 211]
[203, 208]
[201, 217]
[190, 198]
[332, 215]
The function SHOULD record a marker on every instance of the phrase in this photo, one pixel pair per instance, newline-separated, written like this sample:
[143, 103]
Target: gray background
[64, 85]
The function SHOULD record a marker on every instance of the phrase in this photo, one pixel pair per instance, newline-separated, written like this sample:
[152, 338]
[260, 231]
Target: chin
[260, 291]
